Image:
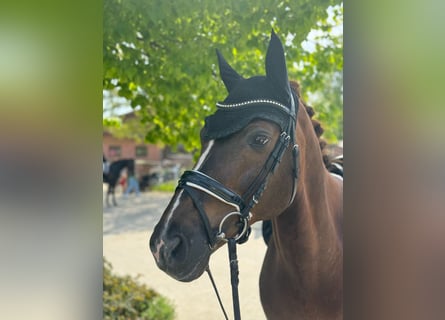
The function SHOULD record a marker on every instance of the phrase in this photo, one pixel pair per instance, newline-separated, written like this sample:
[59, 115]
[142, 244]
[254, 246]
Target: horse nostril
[175, 245]
[175, 250]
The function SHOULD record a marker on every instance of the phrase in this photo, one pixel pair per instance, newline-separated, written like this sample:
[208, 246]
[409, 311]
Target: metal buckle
[285, 138]
[222, 236]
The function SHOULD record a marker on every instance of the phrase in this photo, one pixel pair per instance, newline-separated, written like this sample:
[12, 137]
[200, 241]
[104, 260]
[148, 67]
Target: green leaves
[112, 122]
[161, 56]
[125, 298]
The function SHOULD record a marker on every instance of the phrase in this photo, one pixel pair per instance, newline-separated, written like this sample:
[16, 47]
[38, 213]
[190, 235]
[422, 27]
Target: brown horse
[261, 160]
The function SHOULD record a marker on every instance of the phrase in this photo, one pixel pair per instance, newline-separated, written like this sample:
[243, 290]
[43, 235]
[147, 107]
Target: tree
[160, 55]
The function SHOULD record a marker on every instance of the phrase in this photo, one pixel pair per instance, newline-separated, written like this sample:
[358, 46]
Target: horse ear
[276, 70]
[228, 75]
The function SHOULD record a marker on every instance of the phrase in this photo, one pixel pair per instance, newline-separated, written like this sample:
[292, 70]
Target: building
[149, 158]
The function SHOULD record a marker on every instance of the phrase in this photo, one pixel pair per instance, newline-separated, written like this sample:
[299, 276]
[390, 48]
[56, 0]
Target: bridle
[194, 181]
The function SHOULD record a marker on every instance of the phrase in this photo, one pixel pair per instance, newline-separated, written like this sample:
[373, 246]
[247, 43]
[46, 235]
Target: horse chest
[287, 293]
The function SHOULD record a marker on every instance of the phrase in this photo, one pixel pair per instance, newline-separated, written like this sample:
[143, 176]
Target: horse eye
[260, 140]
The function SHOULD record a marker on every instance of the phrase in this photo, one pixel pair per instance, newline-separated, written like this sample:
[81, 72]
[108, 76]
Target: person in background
[105, 165]
[123, 180]
[132, 184]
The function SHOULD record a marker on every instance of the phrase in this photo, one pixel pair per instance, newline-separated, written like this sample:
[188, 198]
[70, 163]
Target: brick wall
[128, 150]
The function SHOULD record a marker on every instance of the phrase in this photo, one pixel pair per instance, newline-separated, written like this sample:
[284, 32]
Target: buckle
[222, 236]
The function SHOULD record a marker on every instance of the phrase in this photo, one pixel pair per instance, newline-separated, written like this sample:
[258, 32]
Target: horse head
[237, 180]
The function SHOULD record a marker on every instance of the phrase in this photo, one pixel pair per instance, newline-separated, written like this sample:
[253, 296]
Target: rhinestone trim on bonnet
[240, 104]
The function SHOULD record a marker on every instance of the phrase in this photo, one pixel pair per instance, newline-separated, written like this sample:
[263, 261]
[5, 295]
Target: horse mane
[329, 152]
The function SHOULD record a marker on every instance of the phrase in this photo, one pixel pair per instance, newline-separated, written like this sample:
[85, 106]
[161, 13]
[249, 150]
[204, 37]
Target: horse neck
[116, 168]
[124, 164]
[310, 221]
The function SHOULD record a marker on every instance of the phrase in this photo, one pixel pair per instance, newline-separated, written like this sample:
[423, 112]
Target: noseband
[194, 180]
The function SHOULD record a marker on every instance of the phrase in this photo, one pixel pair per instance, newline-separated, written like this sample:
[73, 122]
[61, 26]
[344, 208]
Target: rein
[195, 181]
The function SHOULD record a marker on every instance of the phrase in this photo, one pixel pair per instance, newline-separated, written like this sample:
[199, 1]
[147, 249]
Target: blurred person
[123, 180]
[105, 166]
[132, 184]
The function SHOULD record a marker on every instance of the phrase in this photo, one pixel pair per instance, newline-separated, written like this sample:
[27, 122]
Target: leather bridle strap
[257, 188]
[234, 272]
[216, 292]
[287, 136]
[234, 280]
[198, 205]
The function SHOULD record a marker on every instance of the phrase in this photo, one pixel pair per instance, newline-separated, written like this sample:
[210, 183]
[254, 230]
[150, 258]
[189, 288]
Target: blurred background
[58, 59]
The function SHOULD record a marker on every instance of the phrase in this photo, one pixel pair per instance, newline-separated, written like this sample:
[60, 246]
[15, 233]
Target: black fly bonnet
[261, 97]
[235, 113]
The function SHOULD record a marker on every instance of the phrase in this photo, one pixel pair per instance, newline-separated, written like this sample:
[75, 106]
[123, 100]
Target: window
[114, 151]
[141, 151]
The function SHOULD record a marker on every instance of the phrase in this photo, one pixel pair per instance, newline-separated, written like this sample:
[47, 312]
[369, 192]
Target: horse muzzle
[184, 258]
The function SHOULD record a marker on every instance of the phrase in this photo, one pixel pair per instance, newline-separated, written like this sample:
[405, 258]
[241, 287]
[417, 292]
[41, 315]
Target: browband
[228, 106]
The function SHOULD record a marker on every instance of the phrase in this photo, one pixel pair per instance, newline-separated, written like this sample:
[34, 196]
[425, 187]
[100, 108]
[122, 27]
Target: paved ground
[126, 232]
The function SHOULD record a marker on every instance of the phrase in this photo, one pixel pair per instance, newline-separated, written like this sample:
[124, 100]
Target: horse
[112, 177]
[261, 160]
